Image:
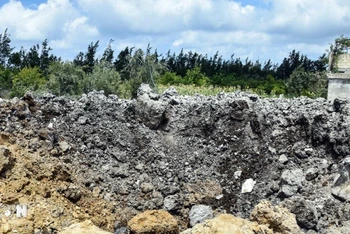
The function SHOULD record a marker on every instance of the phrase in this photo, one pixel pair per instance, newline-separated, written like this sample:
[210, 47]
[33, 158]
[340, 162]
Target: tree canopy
[122, 74]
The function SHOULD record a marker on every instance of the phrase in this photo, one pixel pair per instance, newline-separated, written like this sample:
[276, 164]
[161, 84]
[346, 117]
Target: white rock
[64, 146]
[237, 174]
[248, 186]
[283, 159]
[50, 126]
[7, 213]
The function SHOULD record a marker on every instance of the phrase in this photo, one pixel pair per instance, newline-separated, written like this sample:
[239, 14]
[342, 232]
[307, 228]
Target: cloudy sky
[257, 29]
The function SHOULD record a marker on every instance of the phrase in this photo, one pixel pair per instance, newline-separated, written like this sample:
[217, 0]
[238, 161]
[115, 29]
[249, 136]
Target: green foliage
[271, 86]
[6, 76]
[169, 78]
[65, 78]
[196, 77]
[307, 83]
[193, 89]
[141, 68]
[296, 75]
[341, 45]
[317, 85]
[108, 54]
[28, 79]
[297, 81]
[5, 48]
[87, 61]
[129, 87]
[193, 76]
[103, 77]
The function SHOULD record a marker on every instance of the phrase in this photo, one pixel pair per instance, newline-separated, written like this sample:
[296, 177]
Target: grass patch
[191, 90]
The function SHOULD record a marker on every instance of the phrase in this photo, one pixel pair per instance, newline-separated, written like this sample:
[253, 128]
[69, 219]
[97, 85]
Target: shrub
[103, 77]
[196, 77]
[28, 79]
[169, 78]
[64, 78]
[6, 76]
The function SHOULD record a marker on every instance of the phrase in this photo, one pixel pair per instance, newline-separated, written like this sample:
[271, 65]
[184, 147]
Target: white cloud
[164, 16]
[268, 30]
[310, 18]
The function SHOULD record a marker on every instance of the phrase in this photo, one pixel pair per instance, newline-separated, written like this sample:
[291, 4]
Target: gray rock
[65, 147]
[339, 229]
[200, 213]
[283, 159]
[291, 181]
[172, 202]
[122, 172]
[139, 167]
[341, 187]
[122, 230]
[145, 91]
[311, 174]
[157, 198]
[305, 213]
[83, 120]
[146, 187]
[170, 190]
[301, 150]
[342, 191]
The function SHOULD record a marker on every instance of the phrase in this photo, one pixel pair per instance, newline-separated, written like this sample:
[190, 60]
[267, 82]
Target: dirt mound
[105, 159]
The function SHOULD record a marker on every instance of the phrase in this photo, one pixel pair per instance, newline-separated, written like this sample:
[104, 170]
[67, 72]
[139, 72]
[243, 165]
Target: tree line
[37, 69]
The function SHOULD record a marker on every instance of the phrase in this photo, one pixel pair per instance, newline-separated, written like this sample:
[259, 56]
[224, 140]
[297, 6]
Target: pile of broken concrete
[205, 164]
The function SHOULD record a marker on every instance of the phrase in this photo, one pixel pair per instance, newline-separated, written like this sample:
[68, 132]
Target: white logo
[20, 210]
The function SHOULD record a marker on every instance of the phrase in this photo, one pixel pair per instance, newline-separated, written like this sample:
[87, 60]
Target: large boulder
[228, 224]
[153, 221]
[86, 227]
[291, 181]
[279, 219]
[341, 186]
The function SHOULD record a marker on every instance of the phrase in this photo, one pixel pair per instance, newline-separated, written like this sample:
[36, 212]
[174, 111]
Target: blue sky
[265, 29]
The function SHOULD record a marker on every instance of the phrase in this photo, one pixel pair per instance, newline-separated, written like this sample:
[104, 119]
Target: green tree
[28, 79]
[108, 54]
[87, 60]
[46, 58]
[33, 57]
[103, 77]
[18, 60]
[90, 61]
[142, 68]
[196, 77]
[297, 81]
[5, 48]
[311, 84]
[317, 85]
[6, 76]
[122, 62]
[65, 78]
[169, 78]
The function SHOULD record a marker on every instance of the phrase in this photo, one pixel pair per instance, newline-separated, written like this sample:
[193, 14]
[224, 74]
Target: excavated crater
[107, 159]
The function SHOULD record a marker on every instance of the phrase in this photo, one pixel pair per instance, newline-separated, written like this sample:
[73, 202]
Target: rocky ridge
[105, 159]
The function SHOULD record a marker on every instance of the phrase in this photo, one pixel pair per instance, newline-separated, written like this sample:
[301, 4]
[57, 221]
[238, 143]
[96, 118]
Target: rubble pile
[105, 160]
